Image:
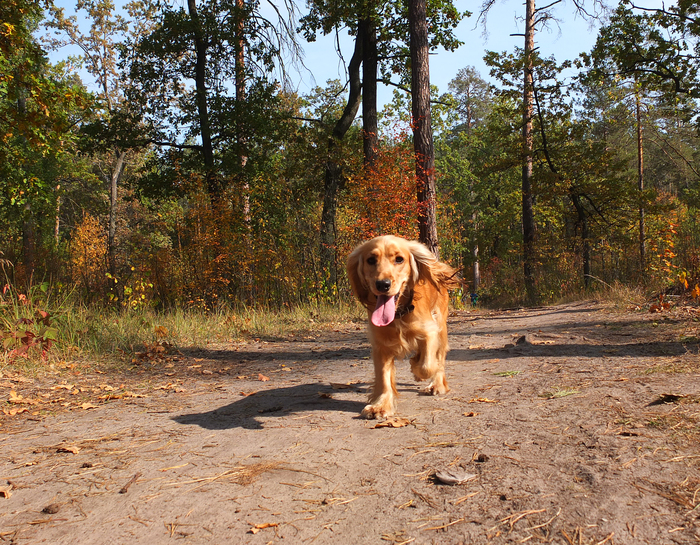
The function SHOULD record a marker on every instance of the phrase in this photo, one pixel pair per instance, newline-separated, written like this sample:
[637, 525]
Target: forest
[189, 175]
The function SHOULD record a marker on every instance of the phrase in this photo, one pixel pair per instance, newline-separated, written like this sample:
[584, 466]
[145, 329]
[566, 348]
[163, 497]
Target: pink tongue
[385, 311]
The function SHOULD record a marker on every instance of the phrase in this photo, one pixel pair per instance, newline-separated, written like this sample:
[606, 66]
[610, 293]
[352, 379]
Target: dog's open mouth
[385, 311]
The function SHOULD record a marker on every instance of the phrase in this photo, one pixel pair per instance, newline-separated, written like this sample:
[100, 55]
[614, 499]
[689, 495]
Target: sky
[566, 40]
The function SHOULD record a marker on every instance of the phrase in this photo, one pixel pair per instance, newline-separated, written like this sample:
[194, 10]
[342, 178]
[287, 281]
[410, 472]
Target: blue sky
[565, 40]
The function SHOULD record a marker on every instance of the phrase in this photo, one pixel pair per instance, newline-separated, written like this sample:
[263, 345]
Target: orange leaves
[695, 294]
[382, 198]
[393, 422]
[257, 527]
[88, 252]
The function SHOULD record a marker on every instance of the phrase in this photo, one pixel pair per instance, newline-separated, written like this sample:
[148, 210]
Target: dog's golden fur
[418, 283]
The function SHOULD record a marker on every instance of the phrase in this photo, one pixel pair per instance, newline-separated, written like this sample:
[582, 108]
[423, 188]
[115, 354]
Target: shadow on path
[250, 411]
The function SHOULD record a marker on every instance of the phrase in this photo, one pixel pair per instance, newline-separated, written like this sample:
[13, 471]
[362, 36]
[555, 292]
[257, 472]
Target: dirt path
[574, 425]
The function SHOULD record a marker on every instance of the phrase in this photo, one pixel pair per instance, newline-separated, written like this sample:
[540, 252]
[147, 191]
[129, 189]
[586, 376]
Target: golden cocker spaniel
[404, 288]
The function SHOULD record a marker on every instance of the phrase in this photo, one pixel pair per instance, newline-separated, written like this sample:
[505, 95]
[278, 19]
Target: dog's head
[382, 269]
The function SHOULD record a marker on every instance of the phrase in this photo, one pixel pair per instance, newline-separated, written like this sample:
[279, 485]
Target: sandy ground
[570, 424]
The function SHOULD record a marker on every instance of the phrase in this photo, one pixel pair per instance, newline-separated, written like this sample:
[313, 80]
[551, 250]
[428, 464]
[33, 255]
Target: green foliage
[256, 245]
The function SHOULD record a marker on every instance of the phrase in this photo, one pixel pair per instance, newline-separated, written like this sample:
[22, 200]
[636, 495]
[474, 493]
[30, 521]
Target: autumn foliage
[381, 199]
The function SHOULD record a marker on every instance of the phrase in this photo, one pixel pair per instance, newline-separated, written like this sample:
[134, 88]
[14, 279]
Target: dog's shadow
[250, 412]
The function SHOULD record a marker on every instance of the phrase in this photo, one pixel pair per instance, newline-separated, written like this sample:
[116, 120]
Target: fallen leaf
[483, 400]
[341, 386]
[472, 413]
[15, 397]
[257, 527]
[454, 476]
[6, 490]
[87, 406]
[325, 395]
[13, 412]
[262, 377]
[246, 394]
[393, 422]
[69, 448]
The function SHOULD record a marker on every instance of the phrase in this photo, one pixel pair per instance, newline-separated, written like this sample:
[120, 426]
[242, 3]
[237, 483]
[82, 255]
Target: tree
[632, 52]
[381, 34]
[99, 46]
[40, 108]
[533, 17]
[473, 98]
[422, 129]
[220, 123]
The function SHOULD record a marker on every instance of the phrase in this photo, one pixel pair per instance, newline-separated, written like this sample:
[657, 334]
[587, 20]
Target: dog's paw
[436, 387]
[371, 412]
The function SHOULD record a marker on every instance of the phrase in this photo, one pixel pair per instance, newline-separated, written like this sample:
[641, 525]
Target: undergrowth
[45, 325]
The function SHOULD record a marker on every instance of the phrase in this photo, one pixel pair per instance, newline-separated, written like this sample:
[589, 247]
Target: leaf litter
[516, 500]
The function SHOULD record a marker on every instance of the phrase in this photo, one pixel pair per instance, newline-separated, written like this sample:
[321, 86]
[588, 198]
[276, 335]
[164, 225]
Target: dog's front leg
[382, 402]
[429, 362]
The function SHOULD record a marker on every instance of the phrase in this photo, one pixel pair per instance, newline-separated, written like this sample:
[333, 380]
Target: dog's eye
[372, 260]
[399, 259]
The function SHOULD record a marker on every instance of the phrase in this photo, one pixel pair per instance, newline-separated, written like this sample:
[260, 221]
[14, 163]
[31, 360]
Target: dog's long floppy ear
[426, 267]
[354, 268]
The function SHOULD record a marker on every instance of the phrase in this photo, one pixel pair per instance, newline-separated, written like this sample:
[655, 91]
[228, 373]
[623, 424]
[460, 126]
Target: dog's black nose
[383, 285]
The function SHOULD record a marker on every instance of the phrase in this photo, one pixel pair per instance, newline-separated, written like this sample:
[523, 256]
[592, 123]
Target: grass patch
[676, 366]
[618, 295]
[43, 326]
[559, 392]
[507, 373]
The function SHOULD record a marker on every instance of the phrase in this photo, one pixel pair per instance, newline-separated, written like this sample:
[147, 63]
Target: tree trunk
[586, 250]
[333, 172]
[240, 97]
[369, 94]
[200, 46]
[28, 243]
[527, 201]
[476, 276]
[112, 232]
[640, 180]
[57, 219]
[422, 129]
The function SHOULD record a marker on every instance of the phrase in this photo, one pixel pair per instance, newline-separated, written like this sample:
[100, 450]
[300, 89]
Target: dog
[405, 291]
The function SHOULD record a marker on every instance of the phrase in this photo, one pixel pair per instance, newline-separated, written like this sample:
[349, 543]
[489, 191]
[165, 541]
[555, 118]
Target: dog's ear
[422, 262]
[354, 268]
[426, 267]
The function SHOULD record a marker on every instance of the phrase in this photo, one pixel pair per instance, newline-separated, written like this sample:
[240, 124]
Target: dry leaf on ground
[393, 422]
[6, 490]
[454, 476]
[342, 386]
[262, 377]
[13, 412]
[257, 527]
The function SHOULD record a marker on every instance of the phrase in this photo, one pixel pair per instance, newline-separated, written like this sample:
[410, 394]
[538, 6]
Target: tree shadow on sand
[251, 411]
